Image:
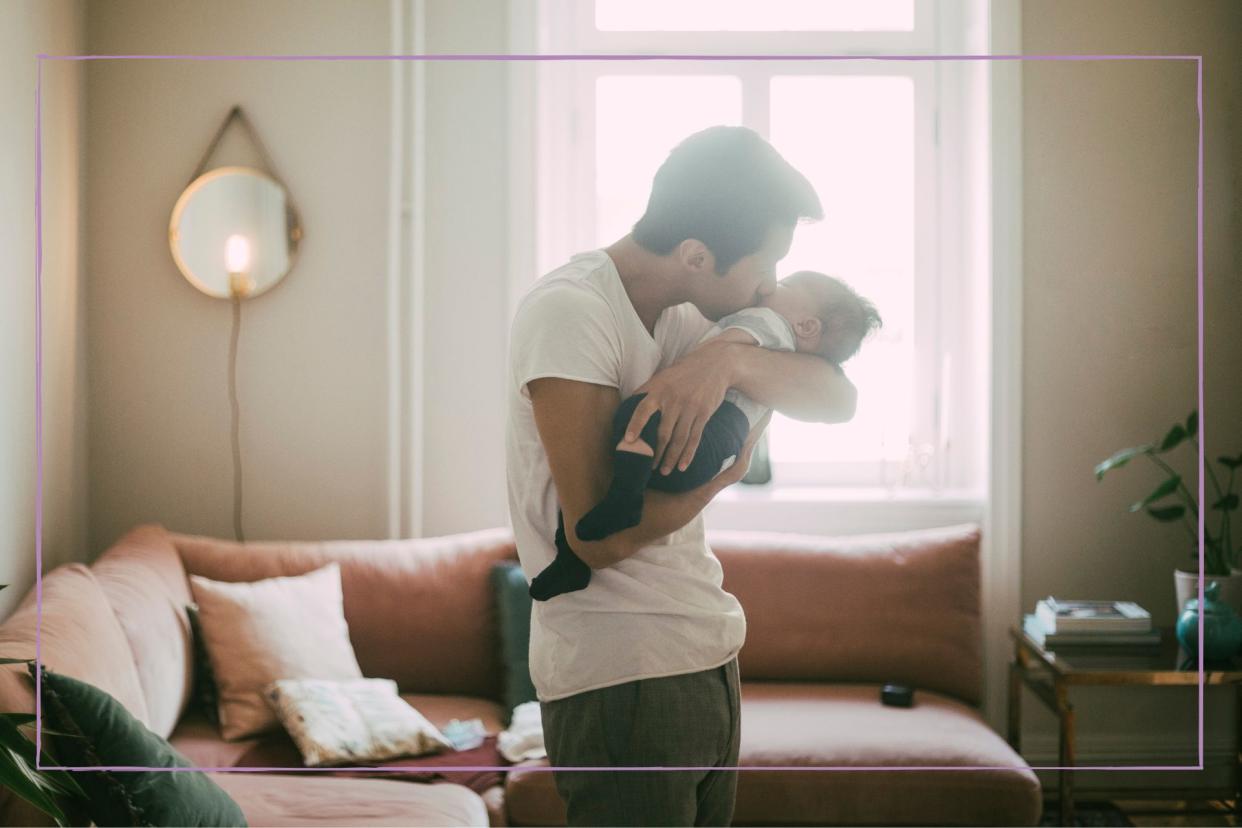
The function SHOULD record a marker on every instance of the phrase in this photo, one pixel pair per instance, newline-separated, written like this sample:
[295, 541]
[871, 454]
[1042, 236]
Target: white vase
[1186, 585]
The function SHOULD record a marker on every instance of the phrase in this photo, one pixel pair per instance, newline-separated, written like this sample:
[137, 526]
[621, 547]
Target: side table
[1050, 673]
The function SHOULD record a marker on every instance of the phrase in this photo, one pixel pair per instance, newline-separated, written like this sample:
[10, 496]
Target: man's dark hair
[846, 319]
[726, 187]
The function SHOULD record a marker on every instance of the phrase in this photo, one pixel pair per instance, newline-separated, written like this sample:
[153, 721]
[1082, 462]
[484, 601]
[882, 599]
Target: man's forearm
[663, 514]
[802, 386]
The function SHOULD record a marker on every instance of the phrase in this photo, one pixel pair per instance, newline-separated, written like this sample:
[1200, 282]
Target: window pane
[749, 15]
[669, 108]
[853, 137]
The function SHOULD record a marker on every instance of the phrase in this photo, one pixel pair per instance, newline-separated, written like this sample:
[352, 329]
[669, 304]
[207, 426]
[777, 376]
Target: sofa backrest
[79, 636]
[142, 576]
[419, 611]
[901, 608]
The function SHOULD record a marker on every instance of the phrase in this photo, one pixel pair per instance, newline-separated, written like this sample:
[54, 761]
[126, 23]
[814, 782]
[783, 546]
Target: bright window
[866, 134]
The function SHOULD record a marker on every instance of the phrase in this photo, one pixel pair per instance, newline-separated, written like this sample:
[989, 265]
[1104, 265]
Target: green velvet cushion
[204, 691]
[513, 602]
[105, 734]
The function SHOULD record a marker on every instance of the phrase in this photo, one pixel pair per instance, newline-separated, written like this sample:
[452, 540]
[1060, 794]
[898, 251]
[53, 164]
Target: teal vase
[1222, 629]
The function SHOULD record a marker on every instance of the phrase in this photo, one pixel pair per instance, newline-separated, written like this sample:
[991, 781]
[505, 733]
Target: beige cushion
[256, 633]
[336, 722]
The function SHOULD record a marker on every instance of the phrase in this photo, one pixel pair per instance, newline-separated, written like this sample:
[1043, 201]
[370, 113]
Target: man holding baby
[639, 669]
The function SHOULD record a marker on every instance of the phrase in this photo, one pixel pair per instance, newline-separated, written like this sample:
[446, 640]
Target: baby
[810, 313]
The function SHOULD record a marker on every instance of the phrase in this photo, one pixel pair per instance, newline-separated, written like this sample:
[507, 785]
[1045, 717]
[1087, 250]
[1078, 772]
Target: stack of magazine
[1058, 622]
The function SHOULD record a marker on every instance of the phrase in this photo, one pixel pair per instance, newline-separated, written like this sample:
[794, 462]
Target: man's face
[750, 279]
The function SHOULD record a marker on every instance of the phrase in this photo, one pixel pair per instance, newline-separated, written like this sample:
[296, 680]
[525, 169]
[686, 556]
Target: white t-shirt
[661, 611]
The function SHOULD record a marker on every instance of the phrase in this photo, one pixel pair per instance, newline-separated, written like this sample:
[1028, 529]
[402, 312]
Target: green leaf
[1172, 439]
[1167, 514]
[1192, 424]
[1229, 502]
[1230, 462]
[1120, 459]
[16, 660]
[1163, 490]
[18, 776]
[18, 718]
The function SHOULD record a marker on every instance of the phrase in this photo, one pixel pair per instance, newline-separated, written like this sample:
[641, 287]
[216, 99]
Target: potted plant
[1173, 502]
[20, 773]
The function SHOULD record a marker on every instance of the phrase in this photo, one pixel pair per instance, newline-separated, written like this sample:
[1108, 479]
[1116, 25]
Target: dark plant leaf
[1229, 502]
[1120, 459]
[1172, 439]
[16, 660]
[1230, 462]
[1192, 424]
[1163, 490]
[23, 780]
[1167, 514]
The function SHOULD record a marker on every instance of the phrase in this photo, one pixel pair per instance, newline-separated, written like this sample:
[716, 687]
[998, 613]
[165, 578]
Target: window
[869, 134]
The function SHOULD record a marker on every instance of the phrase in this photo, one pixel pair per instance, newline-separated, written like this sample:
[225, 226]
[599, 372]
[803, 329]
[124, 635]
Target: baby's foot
[566, 573]
[559, 578]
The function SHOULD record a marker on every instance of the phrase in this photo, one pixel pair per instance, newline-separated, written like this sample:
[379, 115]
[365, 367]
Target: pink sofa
[829, 621]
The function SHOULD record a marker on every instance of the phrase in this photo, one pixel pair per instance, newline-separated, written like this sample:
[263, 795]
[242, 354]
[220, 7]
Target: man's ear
[695, 256]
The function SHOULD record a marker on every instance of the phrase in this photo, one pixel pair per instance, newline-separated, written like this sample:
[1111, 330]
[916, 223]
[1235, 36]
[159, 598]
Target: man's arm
[687, 393]
[574, 420]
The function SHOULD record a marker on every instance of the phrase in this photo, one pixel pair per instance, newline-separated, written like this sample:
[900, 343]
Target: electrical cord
[237, 469]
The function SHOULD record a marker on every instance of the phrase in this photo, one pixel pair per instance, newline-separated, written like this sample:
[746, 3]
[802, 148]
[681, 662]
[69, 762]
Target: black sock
[567, 573]
[622, 506]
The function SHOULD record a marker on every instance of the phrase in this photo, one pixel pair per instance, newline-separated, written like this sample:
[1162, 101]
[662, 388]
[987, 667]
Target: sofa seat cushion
[844, 726]
[308, 799]
[440, 710]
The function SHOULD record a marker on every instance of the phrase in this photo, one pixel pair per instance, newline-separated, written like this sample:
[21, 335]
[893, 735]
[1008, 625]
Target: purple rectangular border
[564, 57]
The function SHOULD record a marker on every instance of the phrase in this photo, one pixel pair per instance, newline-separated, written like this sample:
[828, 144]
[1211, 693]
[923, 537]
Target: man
[639, 669]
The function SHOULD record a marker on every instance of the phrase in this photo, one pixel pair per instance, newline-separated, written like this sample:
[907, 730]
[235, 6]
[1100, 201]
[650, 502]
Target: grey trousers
[689, 720]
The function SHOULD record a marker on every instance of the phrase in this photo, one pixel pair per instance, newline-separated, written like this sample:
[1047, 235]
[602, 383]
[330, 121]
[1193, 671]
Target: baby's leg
[622, 506]
[566, 573]
[722, 440]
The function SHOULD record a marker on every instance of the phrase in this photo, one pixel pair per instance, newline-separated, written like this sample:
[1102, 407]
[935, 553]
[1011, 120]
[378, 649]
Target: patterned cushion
[336, 722]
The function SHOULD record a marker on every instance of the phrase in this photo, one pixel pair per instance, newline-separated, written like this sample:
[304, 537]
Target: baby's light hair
[846, 318]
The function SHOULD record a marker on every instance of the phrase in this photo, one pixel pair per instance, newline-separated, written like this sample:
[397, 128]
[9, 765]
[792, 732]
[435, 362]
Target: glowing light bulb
[237, 253]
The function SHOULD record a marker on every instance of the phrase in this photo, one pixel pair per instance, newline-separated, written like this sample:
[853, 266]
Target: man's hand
[686, 394]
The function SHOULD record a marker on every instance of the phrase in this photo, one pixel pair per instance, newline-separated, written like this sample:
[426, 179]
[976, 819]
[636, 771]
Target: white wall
[1110, 330]
[312, 351]
[28, 27]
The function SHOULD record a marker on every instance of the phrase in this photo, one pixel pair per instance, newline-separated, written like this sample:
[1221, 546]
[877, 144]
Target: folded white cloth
[524, 738]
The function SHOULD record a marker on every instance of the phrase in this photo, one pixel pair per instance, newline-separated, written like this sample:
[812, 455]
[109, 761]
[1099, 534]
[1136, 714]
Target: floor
[1169, 819]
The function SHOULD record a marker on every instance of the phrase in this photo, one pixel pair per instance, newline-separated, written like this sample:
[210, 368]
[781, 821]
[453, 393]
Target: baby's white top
[770, 330]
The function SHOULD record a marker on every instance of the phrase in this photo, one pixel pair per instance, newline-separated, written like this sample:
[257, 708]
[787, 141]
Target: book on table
[1035, 630]
[1062, 616]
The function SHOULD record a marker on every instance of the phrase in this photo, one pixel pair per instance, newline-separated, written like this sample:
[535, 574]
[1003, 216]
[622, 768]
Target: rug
[1086, 813]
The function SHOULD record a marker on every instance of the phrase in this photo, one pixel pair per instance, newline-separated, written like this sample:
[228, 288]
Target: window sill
[841, 510]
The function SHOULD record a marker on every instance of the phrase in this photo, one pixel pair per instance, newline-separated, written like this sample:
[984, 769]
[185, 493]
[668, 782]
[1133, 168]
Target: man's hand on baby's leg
[566, 573]
[622, 506]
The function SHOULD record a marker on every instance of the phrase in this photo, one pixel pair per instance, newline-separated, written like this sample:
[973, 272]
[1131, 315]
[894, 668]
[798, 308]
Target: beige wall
[1109, 343]
[312, 351]
[28, 27]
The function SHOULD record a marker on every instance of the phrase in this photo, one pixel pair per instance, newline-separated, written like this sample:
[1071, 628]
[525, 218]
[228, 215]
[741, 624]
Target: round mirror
[234, 231]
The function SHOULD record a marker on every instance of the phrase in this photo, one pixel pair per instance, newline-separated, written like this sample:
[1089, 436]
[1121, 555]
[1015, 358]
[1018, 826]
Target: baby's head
[829, 319]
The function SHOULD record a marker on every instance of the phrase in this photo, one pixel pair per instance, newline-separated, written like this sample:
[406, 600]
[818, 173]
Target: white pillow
[351, 720]
[260, 631]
